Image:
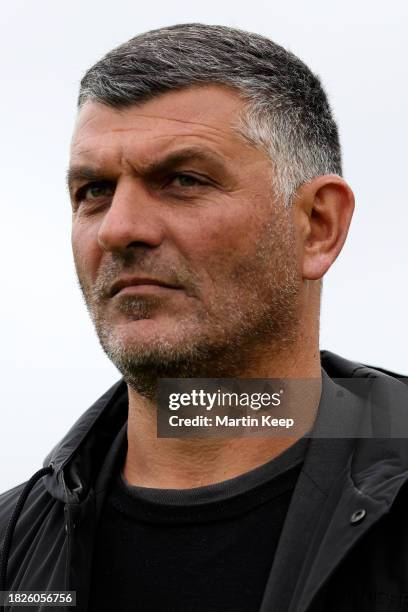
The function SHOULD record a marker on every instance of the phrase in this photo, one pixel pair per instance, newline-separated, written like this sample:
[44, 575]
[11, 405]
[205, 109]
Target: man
[208, 203]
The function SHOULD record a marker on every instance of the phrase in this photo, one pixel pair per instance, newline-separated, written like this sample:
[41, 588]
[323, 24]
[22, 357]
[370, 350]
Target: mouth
[135, 285]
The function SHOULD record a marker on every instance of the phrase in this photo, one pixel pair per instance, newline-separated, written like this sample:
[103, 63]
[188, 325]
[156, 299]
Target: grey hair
[287, 114]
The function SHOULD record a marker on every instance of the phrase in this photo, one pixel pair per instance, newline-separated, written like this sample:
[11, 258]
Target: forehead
[205, 115]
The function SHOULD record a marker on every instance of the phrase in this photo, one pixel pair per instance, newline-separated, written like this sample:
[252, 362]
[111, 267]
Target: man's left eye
[185, 180]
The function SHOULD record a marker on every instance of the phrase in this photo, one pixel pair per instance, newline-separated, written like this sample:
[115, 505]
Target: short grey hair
[286, 114]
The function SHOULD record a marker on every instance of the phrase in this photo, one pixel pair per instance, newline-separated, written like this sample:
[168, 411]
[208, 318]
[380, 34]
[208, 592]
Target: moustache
[164, 273]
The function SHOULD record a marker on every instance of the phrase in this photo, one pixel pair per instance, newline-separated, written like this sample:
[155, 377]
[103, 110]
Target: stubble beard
[260, 312]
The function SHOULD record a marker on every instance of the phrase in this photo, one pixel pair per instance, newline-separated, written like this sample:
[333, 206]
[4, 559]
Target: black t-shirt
[192, 550]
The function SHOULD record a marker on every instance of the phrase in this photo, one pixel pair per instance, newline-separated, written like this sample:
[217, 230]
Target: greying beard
[234, 333]
[207, 358]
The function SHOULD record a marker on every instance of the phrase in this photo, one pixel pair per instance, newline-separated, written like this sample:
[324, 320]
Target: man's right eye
[92, 192]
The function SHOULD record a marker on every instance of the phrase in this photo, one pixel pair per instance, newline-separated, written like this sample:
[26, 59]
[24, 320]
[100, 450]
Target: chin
[148, 337]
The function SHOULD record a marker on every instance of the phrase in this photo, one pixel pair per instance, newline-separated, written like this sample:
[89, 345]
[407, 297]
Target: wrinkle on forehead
[213, 125]
[152, 149]
[204, 131]
[214, 135]
[209, 107]
[204, 136]
[146, 132]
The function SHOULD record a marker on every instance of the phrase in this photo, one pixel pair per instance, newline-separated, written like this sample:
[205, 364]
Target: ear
[323, 209]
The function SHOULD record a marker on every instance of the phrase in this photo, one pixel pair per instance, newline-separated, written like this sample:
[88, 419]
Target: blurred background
[52, 367]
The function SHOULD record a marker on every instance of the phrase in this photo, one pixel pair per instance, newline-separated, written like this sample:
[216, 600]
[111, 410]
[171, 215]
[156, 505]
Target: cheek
[216, 245]
[236, 233]
[85, 249]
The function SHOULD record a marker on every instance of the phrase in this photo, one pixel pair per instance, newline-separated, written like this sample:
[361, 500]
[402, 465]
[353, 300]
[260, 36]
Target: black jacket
[345, 545]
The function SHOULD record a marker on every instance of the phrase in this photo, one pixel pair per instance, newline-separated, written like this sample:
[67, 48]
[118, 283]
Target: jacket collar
[77, 458]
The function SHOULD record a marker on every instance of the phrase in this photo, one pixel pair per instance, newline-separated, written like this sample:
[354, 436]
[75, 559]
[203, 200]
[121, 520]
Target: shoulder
[37, 500]
[8, 500]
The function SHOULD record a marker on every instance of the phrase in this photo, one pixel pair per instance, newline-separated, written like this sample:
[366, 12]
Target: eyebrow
[77, 173]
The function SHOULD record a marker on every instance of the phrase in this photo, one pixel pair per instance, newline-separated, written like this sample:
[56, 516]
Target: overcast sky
[52, 367]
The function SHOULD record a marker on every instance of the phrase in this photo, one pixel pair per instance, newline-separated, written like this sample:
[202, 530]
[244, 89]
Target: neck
[182, 463]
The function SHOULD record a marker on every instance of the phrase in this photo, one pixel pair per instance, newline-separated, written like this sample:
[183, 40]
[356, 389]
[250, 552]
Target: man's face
[169, 198]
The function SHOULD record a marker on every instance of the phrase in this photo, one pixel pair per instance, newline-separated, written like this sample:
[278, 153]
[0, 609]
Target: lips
[134, 281]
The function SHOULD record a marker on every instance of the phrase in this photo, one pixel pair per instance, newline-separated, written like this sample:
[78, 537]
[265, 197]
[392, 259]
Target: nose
[132, 219]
